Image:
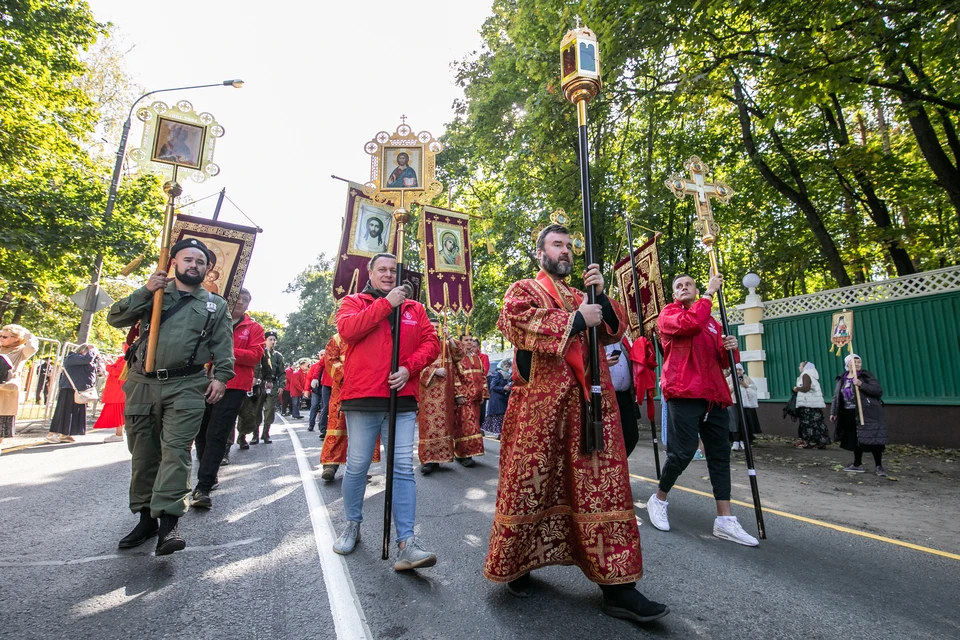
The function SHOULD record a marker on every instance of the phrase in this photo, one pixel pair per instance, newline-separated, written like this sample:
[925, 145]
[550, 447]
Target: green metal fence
[912, 345]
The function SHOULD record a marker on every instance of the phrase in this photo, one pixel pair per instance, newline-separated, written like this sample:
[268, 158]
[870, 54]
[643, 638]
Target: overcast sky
[321, 79]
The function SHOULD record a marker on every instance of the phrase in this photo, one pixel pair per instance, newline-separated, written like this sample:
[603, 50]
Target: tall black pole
[636, 299]
[401, 215]
[216, 212]
[594, 439]
[747, 447]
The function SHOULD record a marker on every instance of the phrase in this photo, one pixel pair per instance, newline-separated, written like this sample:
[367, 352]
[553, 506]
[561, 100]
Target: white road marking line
[117, 556]
[348, 618]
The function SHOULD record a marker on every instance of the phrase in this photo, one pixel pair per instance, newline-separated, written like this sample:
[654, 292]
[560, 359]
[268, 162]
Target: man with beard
[557, 504]
[164, 407]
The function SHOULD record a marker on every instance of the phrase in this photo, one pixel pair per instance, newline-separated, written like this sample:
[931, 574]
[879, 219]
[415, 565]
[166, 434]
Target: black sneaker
[323, 434]
[467, 462]
[630, 604]
[310, 427]
[522, 587]
[242, 441]
[266, 439]
[226, 458]
[429, 467]
[200, 499]
[255, 439]
[145, 529]
[170, 539]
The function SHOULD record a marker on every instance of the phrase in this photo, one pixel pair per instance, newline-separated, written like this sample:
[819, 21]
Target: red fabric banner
[368, 229]
[650, 280]
[446, 257]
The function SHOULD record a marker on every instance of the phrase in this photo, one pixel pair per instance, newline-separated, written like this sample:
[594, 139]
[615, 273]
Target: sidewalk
[33, 432]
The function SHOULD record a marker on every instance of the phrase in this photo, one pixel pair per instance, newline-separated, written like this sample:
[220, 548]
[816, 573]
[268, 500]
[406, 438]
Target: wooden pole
[856, 389]
[173, 191]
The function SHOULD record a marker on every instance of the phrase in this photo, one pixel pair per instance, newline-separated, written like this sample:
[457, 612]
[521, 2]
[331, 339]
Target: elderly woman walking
[501, 382]
[16, 346]
[810, 404]
[872, 434]
[79, 374]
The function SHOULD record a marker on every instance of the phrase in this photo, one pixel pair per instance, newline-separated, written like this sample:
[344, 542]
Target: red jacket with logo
[363, 323]
[693, 354]
[248, 346]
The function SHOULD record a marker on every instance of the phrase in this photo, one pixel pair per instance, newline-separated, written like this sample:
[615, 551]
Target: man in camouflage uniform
[164, 407]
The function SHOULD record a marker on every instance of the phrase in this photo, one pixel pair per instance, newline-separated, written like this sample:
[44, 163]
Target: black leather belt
[182, 372]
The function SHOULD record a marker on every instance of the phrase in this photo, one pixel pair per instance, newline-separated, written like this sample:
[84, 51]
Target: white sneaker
[728, 528]
[735, 446]
[657, 510]
[113, 438]
[52, 438]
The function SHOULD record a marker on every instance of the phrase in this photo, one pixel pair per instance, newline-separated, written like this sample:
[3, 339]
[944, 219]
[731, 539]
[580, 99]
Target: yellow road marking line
[819, 523]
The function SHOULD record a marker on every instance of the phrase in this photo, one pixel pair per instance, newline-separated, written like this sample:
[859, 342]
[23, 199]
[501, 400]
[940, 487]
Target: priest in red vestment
[557, 505]
[470, 390]
[437, 417]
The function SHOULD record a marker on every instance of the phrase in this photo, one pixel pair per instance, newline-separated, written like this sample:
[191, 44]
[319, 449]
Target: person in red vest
[220, 417]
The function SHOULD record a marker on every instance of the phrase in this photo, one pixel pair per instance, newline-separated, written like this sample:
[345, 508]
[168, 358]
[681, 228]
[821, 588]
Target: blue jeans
[363, 427]
[316, 405]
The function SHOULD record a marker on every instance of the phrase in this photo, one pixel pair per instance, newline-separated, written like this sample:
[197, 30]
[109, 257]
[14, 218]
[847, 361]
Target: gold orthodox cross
[702, 191]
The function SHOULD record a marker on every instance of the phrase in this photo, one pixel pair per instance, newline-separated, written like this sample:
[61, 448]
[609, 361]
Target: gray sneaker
[853, 468]
[348, 540]
[414, 556]
[881, 472]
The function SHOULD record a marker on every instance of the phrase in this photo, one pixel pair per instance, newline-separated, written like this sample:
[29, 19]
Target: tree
[268, 321]
[310, 327]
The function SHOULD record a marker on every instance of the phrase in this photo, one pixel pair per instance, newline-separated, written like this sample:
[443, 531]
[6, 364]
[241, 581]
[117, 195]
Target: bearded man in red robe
[556, 504]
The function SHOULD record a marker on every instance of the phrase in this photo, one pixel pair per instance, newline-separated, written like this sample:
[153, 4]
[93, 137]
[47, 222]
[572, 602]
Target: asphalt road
[253, 567]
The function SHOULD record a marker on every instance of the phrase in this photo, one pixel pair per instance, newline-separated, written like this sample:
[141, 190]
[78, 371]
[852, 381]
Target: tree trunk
[946, 172]
[797, 196]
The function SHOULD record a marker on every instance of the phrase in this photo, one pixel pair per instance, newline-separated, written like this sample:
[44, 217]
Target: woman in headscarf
[872, 434]
[79, 373]
[812, 431]
[501, 382]
[113, 400]
[748, 392]
[16, 345]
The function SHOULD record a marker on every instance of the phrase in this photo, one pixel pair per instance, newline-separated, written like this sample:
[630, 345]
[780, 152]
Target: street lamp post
[93, 291]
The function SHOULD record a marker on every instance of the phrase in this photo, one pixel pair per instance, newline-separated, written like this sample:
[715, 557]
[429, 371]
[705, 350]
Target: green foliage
[269, 321]
[814, 114]
[53, 179]
[308, 329]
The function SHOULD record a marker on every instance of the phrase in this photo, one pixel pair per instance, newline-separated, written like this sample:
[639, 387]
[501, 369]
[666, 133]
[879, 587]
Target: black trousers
[324, 415]
[215, 429]
[628, 420]
[688, 419]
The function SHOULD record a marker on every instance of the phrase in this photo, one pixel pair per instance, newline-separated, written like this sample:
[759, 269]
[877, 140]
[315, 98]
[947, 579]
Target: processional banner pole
[580, 80]
[173, 191]
[636, 298]
[709, 229]
[401, 216]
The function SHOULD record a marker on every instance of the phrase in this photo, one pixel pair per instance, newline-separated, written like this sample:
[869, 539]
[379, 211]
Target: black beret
[191, 243]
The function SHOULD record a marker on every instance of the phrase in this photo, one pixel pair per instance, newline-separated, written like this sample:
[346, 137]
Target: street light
[93, 291]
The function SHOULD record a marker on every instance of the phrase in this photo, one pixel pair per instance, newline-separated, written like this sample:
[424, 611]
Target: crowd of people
[218, 378]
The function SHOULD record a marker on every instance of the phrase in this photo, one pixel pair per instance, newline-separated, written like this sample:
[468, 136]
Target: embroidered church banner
[652, 299]
[232, 248]
[368, 229]
[446, 258]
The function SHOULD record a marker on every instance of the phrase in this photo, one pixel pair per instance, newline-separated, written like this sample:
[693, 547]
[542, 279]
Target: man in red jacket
[296, 382]
[694, 355]
[316, 392]
[219, 418]
[365, 325]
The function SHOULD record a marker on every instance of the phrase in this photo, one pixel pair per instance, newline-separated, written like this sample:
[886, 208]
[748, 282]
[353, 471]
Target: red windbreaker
[693, 355]
[288, 373]
[296, 380]
[314, 374]
[364, 327]
[644, 362]
[248, 346]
